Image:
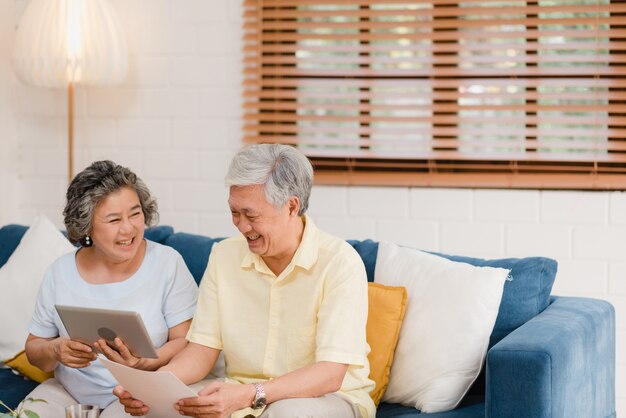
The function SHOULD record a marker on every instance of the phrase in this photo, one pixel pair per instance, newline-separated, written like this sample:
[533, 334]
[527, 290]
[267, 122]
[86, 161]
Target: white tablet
[90, 324]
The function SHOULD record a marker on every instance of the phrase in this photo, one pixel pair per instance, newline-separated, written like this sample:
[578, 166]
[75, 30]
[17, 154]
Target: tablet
[90, 324]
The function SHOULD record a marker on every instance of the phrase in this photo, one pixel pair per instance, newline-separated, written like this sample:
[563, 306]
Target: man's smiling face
[267, 229]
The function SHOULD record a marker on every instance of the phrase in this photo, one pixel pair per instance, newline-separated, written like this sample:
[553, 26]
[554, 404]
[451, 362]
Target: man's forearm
[193, 363]
[308, 382]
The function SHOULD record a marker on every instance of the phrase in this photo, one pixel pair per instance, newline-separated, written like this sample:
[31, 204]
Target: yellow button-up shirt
[269, 325]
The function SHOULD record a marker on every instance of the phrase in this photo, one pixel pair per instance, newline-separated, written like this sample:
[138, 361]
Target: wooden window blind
[521, 94]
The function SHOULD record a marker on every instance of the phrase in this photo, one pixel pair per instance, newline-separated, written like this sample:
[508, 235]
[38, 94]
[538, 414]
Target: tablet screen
[90, 324]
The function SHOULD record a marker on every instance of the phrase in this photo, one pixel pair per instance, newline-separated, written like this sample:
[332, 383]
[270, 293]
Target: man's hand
[217, 400]
[132, 406]
[72, 353]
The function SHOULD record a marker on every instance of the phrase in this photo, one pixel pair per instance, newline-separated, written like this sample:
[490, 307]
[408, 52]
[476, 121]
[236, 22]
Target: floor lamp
[65, 43]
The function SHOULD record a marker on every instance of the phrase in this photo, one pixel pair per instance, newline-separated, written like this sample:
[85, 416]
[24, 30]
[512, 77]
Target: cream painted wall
[8, 134]
[176, 122]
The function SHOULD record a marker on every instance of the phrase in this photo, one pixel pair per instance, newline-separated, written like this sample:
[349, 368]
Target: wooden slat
[438, 72]
[558, 148]
[360, 12]
[365, 107]
[548, 158]
[443, 35]
[560, 181]
[336, 60]
[402, 84]
[375, 48]
[443, 95]
[428, 24]
[268, 4]
[468, 131]
[402, 120]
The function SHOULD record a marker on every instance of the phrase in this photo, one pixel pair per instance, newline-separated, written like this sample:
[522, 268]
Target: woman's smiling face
[118, 226]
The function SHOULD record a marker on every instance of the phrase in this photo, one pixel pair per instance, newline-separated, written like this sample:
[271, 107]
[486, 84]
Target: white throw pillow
[20, 278]
[451, 310]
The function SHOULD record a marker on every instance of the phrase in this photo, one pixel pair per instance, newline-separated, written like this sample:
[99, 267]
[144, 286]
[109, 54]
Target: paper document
[159, 390]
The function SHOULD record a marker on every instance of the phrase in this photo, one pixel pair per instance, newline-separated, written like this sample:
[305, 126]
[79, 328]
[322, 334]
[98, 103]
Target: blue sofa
[548, 356]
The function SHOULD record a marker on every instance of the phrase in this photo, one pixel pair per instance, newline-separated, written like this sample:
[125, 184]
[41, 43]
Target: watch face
[259, 402]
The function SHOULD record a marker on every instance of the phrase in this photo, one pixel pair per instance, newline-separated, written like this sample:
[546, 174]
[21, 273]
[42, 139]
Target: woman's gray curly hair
[281, 169]
[95, 183]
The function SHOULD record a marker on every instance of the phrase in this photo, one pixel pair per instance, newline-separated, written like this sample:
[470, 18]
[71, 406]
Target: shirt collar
[304, 257]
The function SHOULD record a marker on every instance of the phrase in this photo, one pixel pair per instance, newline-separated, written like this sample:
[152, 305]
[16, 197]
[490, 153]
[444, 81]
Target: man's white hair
[282, 170]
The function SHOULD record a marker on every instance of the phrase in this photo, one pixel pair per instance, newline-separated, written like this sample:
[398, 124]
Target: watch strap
[259, 396]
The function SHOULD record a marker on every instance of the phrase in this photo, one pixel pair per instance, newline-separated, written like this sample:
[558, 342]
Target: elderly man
[286, 302]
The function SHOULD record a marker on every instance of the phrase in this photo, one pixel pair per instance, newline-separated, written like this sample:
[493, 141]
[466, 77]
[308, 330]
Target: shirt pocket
[301, 347]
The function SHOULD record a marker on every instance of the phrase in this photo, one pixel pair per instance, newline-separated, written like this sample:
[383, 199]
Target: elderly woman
[107, 210]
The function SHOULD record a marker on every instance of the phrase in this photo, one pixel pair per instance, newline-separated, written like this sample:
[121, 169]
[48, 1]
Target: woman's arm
[47, 353]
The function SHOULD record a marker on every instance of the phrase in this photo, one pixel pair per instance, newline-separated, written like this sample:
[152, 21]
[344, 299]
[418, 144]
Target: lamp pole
[70, 131]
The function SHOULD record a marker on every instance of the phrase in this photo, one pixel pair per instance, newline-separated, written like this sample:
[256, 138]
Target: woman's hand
[132, 406]
[217, 400]
[121, 354]
[72, 353]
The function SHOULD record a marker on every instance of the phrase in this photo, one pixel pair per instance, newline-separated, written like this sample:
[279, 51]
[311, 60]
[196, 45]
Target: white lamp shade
[63, 41]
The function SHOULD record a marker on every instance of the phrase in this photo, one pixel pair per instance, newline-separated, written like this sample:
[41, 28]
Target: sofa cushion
[451, 310]
[21, 275]
[20, 364]
[383, 329]
[195, 250]
[470, 407]
[526, 293]
[13, 388]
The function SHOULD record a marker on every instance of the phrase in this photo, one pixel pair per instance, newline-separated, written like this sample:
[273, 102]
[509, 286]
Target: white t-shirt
[162, 290]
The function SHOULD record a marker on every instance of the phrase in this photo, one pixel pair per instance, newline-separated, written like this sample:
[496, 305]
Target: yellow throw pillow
[387, 305]
[20, 364]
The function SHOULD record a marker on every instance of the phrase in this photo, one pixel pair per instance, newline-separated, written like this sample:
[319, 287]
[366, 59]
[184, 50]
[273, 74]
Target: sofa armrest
[559, 364]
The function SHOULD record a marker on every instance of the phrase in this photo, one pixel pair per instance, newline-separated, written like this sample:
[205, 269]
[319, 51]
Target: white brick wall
[176, 122]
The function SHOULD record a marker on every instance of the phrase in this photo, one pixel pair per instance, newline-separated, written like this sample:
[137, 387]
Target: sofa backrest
[195, 250]
[11, 235]
[526, 293]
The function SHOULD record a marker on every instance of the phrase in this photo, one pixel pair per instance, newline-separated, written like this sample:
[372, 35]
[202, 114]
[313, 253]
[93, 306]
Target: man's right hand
[72, 353]
[132, 406]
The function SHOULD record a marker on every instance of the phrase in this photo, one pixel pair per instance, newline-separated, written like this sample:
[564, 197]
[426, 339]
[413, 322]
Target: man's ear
[294, 206]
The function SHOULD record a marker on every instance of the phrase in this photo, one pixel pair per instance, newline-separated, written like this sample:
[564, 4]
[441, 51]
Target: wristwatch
[259, 397]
